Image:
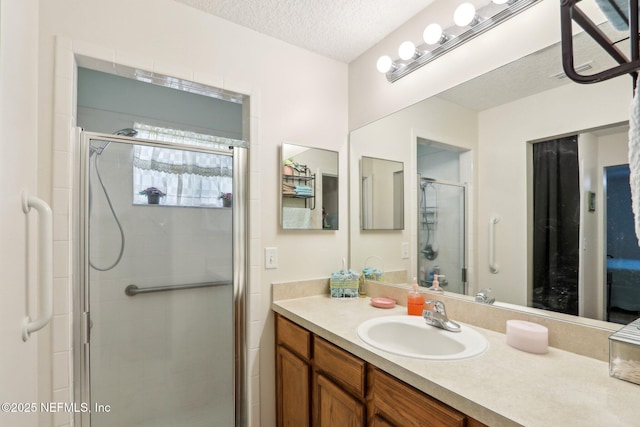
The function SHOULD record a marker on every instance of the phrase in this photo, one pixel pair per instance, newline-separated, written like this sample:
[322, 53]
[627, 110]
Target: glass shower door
[160, 295]
[441, 234]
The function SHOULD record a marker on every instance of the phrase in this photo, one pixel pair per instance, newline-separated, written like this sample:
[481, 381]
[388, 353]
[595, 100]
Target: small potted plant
[153, 195]
[226, 199]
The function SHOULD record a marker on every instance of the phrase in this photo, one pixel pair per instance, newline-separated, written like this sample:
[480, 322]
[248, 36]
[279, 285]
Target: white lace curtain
[187, 178]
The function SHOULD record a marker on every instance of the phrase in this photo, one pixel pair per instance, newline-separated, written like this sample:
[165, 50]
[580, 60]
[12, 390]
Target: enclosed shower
[160, 313]
[441, 234]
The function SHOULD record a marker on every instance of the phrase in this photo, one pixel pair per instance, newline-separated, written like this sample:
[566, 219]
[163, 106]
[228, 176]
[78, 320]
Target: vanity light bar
[400, 69]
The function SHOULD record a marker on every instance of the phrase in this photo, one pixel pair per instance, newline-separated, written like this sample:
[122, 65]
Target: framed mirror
[381, 194]
[309, 188]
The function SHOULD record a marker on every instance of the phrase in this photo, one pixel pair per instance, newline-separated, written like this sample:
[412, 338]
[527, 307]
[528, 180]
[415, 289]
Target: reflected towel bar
[493, 265]
[133, 290]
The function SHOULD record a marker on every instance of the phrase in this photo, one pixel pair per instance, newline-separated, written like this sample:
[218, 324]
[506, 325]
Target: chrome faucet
[483, 296]
[438, 316]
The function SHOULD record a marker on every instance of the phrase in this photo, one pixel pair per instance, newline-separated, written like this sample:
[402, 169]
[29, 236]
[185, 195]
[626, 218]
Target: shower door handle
[45, 264]
[493, 266]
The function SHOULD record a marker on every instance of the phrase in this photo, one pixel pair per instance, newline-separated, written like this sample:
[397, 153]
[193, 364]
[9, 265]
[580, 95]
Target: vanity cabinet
[322, 385]
[339, 385]
[394, 403]
[293, 379]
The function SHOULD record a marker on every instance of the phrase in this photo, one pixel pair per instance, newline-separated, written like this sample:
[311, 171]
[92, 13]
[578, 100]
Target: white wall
[371, 96]
[395, 138]
[19, 367]
[502, 167]
[304, 102]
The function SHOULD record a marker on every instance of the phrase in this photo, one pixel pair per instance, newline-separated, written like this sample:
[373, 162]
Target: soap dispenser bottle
[415, 300]
[436, 284]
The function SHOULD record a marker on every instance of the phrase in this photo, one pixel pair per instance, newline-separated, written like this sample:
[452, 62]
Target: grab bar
[133, 290]
[45, 267]
[493, 266]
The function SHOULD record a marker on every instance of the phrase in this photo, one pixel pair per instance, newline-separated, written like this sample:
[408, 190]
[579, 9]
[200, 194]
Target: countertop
[502, 387]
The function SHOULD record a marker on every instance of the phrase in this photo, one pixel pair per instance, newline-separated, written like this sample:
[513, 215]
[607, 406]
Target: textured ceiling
[339, 29]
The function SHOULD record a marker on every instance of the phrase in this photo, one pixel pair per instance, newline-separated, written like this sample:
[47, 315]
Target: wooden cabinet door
[378, 421]
[334, 407]
[293, 394]
[401, 405]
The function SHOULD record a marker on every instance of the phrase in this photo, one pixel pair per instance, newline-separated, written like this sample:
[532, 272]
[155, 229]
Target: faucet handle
[438, 306]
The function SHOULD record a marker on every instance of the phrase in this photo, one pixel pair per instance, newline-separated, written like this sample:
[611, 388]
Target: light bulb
[432, 34]
[407, 50]
[384, 64]
[464, 15]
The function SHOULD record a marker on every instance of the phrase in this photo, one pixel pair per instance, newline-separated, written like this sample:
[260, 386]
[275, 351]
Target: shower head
[127, 132]
[98, 148]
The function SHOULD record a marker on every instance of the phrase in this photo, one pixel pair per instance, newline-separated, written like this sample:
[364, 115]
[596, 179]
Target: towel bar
[45, 265]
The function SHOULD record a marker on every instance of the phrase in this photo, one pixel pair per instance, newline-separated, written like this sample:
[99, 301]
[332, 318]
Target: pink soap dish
[383, 302]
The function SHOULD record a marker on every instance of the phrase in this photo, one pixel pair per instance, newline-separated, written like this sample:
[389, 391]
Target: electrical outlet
[270, 258]
[404, 250]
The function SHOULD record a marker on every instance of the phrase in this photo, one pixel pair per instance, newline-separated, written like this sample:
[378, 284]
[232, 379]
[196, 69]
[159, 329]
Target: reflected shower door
[441, 234]
[161, 358]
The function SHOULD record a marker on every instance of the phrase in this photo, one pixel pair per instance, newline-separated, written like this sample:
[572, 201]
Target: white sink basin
[410, 336]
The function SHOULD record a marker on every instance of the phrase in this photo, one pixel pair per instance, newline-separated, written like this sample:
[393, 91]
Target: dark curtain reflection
[556, 214]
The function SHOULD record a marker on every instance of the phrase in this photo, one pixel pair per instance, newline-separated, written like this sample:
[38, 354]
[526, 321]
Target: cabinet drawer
[403, 405]
[341, 366]
[296, 338]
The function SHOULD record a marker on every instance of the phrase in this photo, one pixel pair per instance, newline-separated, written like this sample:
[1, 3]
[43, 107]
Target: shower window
[182, 178]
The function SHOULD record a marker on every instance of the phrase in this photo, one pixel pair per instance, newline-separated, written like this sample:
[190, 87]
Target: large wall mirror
[309, 182]
[381, 194]
[499, 118]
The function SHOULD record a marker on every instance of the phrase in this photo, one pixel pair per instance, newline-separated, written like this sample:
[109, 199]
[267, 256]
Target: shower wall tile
[61, 201]
[135, 61]
[173, 70]
[61, 302]
[94, 56]
[60, 331]
[60, 368]
[236, 86]
[61, 227]
[255, 159]
[61, 268]
[253, 365]
[62, 173]
[254, 104]
[208, 79]
[254, 182]
[255, 252]
[254, 206]
[63, 97]
[254, 307]
[61, 134]
[64, 66]
[255, 332]
[253, 287]
[61, 418]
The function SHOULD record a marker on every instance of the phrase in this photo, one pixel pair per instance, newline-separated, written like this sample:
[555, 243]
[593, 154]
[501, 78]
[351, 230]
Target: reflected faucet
[483, 296]
[438, 316]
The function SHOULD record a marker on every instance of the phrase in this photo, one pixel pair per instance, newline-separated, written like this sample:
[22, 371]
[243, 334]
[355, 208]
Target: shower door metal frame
[81, 269]
[465, 219]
